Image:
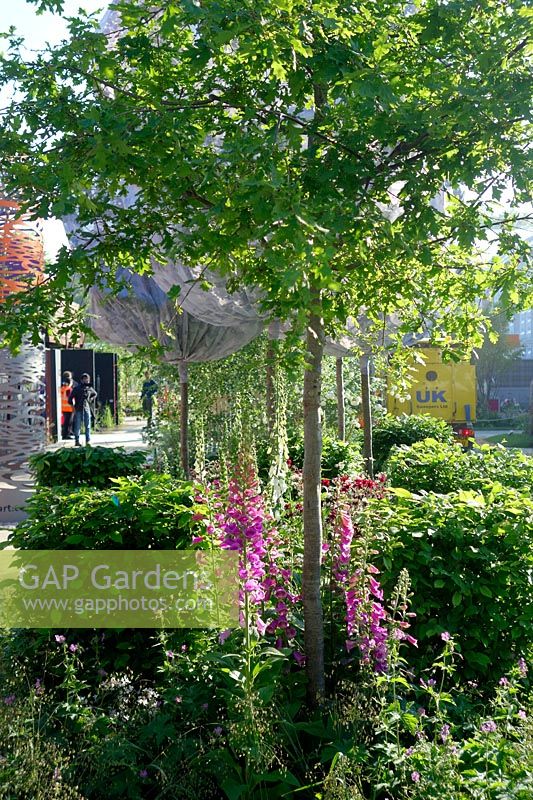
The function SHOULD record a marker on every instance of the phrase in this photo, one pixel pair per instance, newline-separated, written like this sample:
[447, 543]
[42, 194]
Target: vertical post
[364, 362]
[312, 512]
[341, 424]
[184, 417]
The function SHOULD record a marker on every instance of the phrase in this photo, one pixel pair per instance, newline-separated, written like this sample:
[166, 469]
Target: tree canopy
[285, 144]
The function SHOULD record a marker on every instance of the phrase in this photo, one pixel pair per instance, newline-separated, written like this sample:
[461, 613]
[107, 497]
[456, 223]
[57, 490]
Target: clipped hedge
[85, 466]
[469, 556]
[151, 511]
[406, 429]
[444, 467]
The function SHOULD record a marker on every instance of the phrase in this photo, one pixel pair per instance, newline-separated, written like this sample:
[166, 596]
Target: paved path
[128, 436]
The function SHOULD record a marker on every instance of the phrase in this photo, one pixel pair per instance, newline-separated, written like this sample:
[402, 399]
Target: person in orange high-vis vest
[67, 409]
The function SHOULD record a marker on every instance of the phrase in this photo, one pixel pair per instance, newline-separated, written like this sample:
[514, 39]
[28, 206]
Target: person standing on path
[67, 409]
[81, 397]
[149, 388]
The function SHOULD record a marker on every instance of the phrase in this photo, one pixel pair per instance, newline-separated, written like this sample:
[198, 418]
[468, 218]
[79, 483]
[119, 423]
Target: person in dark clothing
[149, 388]
[81, 398]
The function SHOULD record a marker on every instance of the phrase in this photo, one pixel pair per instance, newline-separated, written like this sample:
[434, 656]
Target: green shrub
[469, 557]
[105, 417]
[151, 511]
[444, 467]
[79, 466]
[406, 429]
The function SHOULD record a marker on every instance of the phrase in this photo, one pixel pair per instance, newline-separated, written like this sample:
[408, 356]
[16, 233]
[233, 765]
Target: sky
[39, 30]
[42, 28]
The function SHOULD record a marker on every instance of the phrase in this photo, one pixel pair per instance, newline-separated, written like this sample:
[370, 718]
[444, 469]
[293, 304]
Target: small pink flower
[224, 635]
[445, 636]
[143, 773]
[73, 648]
[260, 625]
[415, 777]
[217, 730]
[60, 639]
[9, 699]
[178, 699]
[522, 714]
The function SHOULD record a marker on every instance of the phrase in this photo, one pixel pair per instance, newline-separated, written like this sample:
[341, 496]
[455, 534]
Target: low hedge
[406, 429]
[85, 466]
[444, 467]
[151, 511]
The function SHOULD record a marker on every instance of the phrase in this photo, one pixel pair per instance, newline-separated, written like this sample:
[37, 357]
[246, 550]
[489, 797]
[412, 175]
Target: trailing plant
[81, 466]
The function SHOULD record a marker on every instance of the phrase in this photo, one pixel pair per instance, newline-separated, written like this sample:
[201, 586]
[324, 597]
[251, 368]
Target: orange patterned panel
[21, 249]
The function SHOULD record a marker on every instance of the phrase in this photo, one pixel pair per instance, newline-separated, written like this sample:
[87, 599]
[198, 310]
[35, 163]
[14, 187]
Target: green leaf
[457, 598]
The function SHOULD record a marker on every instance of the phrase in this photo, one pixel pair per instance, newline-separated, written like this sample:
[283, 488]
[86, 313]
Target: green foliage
[405, 108]
[469, 556]
[406, 429]
[444, 467]
[338, 458]
[105, 418]
[149, 512]
[32, 767]
[152, 511]
[85, 466]
[163, 437]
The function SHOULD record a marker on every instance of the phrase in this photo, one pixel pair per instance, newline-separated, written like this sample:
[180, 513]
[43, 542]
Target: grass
[511, 439]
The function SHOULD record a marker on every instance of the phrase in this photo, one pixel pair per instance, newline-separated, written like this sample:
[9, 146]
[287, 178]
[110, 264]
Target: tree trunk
[184, 418]
[367, 414]
[312, 515]
[341, 425]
